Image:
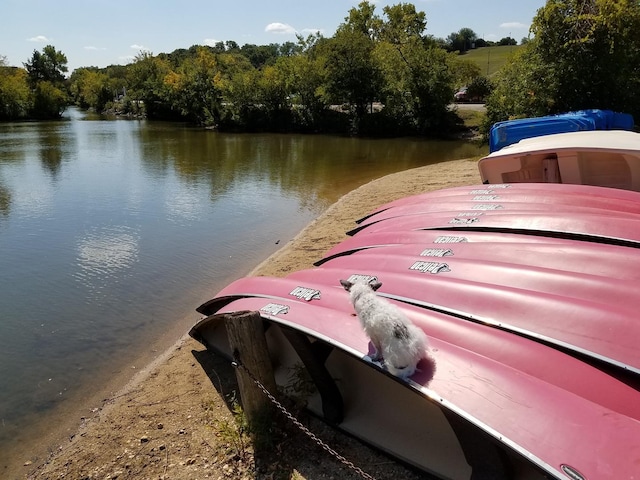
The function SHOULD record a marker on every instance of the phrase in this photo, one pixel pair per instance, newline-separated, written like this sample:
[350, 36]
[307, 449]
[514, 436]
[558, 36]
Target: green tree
[48, 66]
[90, 88]
[45, 72]
[583, 54]
[353, 74]
[520, 89]
[48, 101]
[507, 41]
[195, 89]
[260, 55]
[15, 98]
[146, 79]
[418, 80]
[593, 49]
[461, 40]
[305, 74]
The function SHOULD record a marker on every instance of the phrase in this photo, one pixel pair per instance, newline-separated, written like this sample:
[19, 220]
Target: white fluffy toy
[398, 341]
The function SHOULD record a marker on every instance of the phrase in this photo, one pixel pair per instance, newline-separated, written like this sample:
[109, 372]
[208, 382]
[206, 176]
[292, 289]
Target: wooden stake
[247, 341]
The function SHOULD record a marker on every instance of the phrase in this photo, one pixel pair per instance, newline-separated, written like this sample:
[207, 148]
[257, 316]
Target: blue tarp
[512, 131]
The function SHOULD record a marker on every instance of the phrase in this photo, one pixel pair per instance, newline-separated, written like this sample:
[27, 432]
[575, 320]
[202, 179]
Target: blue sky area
[104, 32]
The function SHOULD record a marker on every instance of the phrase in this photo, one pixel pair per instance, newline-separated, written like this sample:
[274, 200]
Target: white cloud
[210, 42]
[280, 28]
[135, 46]
[513, 25]
[91, 47]
[39, 39]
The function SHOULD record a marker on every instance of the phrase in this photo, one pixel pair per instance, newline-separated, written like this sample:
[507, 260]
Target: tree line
[317, 84]
[375, 75]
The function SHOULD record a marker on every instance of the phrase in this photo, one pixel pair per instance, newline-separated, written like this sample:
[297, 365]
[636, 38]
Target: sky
[105, 32]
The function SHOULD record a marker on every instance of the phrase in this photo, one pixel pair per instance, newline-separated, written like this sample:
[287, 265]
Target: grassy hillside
[490, 59]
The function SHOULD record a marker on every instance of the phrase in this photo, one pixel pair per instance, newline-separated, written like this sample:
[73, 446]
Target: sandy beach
[174, 419]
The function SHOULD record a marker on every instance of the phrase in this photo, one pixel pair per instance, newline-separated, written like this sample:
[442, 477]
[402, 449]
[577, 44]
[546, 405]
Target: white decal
[275, 309]
[430, 267]
[304, 293]
[463, 221]
[486, 198]
[449, 239]
[437, 252]
[488, 206]
[356, 277]
[481, 192]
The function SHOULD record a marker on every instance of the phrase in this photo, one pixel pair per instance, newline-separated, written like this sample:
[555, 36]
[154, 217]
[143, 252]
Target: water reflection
[312, 168]
[5, 200]
[50, 144]
[184, 203]
[103, 254]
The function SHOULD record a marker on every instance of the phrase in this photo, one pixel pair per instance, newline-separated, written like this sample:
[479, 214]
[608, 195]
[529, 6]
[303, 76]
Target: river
[113, 231]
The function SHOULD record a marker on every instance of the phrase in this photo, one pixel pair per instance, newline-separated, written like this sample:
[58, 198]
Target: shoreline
[162, 423]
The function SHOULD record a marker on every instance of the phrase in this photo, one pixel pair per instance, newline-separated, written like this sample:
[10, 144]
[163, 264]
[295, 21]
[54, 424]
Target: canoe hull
[533, 369]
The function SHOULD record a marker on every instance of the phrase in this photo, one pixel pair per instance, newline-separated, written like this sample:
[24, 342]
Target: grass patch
[472, 119]
[491, 59]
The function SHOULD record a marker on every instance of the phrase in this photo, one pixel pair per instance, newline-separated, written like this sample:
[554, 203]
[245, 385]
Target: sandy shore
[174, 421]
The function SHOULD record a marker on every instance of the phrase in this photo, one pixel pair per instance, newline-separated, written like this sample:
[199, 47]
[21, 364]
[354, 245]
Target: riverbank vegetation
[584, 54]
[377, 75]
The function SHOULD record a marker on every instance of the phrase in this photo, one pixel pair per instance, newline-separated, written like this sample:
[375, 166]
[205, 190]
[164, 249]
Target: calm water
[112, 232]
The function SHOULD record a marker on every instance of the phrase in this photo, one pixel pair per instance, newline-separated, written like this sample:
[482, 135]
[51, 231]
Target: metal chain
[296, 422]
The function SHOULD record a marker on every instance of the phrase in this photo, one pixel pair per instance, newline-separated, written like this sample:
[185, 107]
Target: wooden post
[247, 341]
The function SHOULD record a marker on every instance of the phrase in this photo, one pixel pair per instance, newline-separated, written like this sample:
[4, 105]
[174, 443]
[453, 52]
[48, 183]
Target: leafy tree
[468, 38]
[507, 41]
[593, 50]
[48, 66]
[195, 89]
[15, 98]
[479, 88]
[45, 73]
[231, 46]
[48, 101]
[305, 75]
[353, 75]
[583, 54]
[418, 79]
[519, 88]
[461, 40]
[260, 55]
[146, 84]
[90, 88]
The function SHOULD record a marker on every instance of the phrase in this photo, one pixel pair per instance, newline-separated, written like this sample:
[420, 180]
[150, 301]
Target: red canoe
[433, 238]
[528, 293]
[602, 227]
[533, 193]
[577, 419]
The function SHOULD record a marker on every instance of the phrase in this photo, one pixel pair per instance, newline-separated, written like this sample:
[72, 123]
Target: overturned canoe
[531, 314]
[485, 394]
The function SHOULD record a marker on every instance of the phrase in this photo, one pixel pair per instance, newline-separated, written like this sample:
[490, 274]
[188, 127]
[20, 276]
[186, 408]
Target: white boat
[605, 158]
